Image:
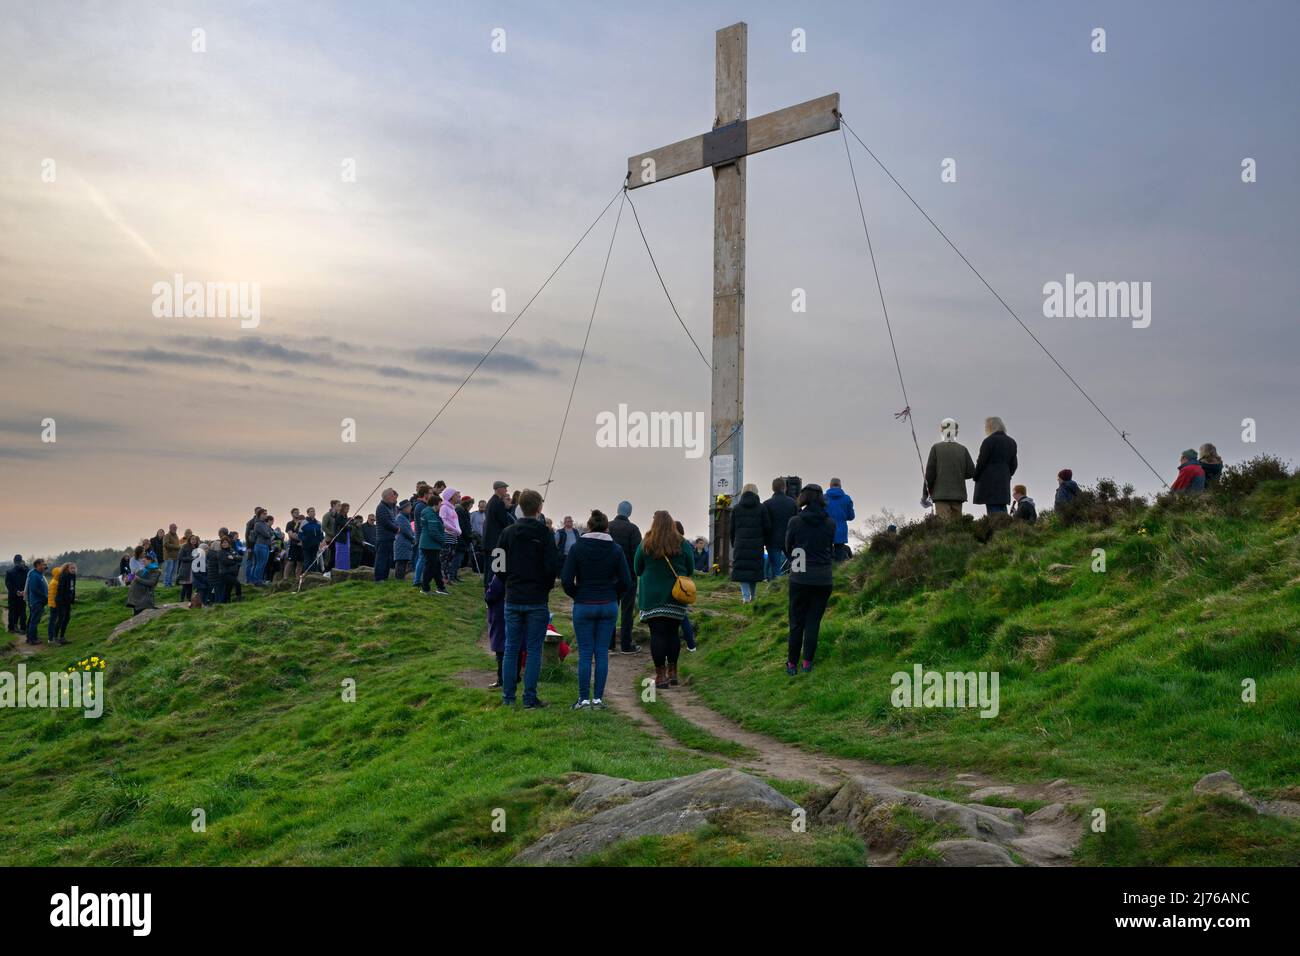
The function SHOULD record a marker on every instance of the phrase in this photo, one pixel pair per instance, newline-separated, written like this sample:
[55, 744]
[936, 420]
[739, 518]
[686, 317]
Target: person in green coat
[662, 556]
[432, 539]
[947, 471]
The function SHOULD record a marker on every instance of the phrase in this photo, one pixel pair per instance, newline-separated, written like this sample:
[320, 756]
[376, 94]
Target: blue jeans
[688, 631]
[260, 555]
[747, 590]
[593, 626]
[169, 571]
[775, 563]
[419, 565]
[525, 630]
[995, 509]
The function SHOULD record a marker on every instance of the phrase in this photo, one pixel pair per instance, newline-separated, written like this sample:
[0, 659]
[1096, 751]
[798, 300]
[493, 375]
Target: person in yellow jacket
[52, 628]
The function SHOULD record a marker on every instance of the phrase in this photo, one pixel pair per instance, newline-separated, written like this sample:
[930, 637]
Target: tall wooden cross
[734, 137]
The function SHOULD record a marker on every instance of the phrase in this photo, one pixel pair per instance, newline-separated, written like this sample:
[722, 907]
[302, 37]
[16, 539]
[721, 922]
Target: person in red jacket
[1191, 476]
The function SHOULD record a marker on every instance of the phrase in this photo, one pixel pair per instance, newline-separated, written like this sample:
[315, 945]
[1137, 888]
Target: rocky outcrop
[143, 617]
[1046, 837]
[353, 574]
[972, 853]
[1223, 784]
[856, 800]
[626, 809]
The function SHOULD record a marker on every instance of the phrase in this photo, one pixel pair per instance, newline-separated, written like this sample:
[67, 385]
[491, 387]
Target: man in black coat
[995, 467]
[15, 581]
[628, 537]
[780, 508]
[498, 519]
[531, 566]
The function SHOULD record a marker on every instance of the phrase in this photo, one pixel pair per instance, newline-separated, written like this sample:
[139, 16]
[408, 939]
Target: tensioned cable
[663, 284]
[1010, 311]
[906, 413]
[477, 366]
[583, 354]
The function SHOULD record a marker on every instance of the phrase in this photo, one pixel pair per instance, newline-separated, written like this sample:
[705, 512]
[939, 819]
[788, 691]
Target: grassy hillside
[238, 710]
[1127, 681]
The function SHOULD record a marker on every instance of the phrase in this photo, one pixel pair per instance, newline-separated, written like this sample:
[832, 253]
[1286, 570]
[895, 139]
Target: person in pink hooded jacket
[451, 533]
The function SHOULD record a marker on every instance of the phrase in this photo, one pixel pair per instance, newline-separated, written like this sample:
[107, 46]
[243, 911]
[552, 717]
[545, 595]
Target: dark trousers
[665, 640]
[34, 623]
[807, 605]
[842, 552]
[17, 613]
[65, 615]
[400, 568]
[432, 569]
[383, 560]
[52, 625]
[309, 562]
[626, 616]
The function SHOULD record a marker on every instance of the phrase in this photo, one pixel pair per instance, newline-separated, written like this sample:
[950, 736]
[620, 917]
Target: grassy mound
[238, 710]
[1127, 681]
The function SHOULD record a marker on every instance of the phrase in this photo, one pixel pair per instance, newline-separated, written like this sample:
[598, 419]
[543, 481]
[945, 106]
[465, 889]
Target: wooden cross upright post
[733, 137]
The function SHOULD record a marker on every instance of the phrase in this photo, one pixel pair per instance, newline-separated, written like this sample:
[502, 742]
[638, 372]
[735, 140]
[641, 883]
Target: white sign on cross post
[733, 137]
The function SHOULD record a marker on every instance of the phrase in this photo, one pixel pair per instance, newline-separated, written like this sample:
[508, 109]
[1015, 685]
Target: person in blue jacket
[37, 594]
[839, 508]
[311, 534]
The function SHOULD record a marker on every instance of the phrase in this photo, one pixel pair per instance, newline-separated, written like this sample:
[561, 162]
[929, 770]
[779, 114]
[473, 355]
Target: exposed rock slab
[143, 617]
[972, 853]
[1223, 784]
[626, 809]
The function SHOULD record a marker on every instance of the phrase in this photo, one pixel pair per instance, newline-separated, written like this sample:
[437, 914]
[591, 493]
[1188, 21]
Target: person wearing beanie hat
[628, 537]
[1066, 487]
[1191, 476]
[948, 469]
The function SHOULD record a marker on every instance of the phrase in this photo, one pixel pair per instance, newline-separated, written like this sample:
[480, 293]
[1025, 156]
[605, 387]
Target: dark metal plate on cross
[726, 144]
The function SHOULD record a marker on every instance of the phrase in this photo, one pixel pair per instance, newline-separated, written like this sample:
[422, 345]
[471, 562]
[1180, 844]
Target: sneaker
[790, 669]
[443, 593]
[634, 649]
[579, 705]
[598, 704]
[495, 685]
[807, 667]
[536, 705]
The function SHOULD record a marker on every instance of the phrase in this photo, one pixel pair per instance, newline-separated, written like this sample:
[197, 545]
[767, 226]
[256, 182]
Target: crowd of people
[613, 574]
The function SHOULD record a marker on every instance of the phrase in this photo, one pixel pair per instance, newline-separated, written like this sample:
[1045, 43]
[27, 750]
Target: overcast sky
[476, 170]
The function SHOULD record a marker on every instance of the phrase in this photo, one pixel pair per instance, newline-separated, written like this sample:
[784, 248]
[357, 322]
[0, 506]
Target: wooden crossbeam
[764, 132]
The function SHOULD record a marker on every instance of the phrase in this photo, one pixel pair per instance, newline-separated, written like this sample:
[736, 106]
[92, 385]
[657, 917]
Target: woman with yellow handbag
[664, 564]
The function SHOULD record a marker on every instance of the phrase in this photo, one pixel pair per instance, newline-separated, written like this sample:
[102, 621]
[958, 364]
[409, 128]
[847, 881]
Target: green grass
[691, 735]
[1127, 682]
[238, 710]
